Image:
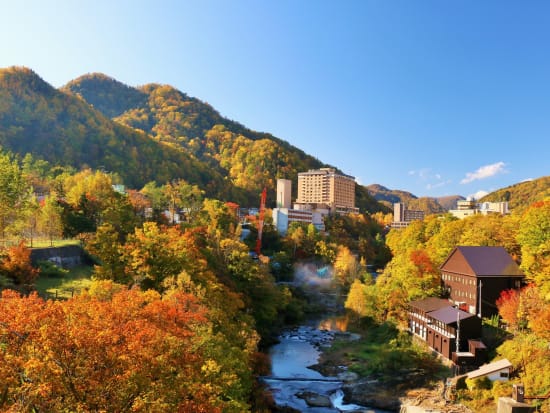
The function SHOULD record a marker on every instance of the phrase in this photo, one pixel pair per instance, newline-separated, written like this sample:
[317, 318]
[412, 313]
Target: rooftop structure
[498, 370]
[284, 188]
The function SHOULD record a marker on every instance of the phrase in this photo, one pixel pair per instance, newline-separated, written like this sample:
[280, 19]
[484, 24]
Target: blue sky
[433, 97]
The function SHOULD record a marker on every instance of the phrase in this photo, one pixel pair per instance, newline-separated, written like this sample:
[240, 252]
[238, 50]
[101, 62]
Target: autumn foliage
[116, 351]
[15, 265]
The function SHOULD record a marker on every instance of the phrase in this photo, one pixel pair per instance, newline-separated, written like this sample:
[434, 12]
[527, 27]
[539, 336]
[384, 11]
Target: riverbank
[375, 367]
[416, 387]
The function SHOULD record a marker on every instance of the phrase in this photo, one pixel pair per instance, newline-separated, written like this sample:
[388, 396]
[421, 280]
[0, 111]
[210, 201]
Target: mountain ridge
[431, 205]
[157, 133]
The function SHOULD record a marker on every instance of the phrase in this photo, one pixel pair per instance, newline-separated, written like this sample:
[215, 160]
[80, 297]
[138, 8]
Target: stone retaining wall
[67, 257]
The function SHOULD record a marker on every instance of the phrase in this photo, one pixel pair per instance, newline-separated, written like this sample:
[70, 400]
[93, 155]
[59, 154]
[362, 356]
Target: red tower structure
[261, 221]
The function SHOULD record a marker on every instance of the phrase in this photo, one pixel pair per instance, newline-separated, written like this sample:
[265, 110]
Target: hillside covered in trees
[522, 194]
[413, 273]
[151, 133]
[429, 205]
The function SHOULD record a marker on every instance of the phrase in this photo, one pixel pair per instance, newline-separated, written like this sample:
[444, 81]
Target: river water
[291, 378]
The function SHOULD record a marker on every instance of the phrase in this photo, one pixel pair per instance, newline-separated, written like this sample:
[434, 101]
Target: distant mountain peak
[106, 94]
[26, 78]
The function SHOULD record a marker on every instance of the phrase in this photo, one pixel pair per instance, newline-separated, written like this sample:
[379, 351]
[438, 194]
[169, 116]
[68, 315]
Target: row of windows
[465, 294]
[458, 279]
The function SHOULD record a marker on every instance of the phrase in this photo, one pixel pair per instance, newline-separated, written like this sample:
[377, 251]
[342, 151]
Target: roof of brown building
[449, 315]
[430, 304]
[481, 261]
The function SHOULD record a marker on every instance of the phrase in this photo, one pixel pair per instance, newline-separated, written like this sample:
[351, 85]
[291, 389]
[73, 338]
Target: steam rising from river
[314, 276]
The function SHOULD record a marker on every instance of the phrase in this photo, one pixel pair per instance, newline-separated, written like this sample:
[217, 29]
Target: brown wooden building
[474, 277]
[439, 324]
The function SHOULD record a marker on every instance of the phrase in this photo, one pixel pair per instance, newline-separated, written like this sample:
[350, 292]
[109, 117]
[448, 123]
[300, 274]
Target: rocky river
[300, 383]
[294, 384]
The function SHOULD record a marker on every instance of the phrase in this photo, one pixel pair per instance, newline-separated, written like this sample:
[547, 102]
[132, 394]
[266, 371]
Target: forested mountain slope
[429, 205]
[250, 160]
[150, 133]
[63, 129]
[522, 194]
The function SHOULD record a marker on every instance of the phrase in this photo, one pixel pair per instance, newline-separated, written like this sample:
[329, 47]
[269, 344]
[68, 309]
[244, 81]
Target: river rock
[314, 399]
[348, 376]
[372, 393]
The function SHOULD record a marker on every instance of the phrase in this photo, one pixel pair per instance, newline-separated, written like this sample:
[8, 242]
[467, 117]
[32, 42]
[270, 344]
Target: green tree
[50, 219]
[15, 194]
[106, 246]
[296, 235]
[181, 196]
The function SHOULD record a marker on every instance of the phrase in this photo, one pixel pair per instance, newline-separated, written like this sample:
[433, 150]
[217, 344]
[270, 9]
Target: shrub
[49, 269]
[482, 383]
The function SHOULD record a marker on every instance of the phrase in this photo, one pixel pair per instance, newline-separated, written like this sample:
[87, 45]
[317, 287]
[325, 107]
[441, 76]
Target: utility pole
[479, 311]
[458, 331]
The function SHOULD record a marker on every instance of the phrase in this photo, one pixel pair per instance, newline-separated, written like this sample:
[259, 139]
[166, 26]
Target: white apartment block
[469, 207]
[283, 217]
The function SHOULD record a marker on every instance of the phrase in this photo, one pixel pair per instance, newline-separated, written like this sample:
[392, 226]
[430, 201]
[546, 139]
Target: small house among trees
[498, 370]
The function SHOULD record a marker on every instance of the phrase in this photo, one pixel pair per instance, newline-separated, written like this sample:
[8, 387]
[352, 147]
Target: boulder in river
[314, 399]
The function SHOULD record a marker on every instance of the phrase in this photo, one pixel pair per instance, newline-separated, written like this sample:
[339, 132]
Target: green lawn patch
[46, 243]
[76, 280]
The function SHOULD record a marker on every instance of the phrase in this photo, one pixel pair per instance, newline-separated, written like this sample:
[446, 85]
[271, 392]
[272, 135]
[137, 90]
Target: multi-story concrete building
[327, 187]
[284, 189]
[402, 216]
[283, 217]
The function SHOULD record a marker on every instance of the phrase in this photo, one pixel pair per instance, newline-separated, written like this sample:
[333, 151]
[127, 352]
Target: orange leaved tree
[114, 350]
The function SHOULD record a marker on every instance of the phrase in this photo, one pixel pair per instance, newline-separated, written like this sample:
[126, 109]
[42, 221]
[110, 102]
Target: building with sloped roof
[497, 370]
[475, 276]
[441, 325]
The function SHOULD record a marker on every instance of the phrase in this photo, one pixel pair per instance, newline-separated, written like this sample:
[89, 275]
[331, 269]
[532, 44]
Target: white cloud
[412, 172]
[484, 172]
[438, 184]
[424, 173]
[478, 195]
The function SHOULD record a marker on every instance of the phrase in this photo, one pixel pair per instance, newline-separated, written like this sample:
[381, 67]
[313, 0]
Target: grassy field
[76, 280]
[45, 243]
[40, 242]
